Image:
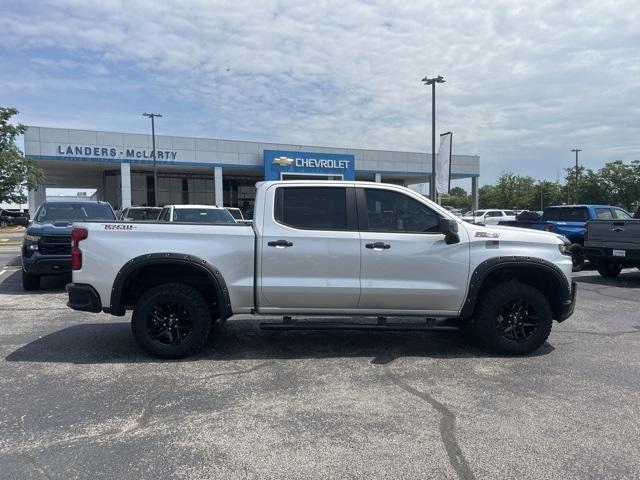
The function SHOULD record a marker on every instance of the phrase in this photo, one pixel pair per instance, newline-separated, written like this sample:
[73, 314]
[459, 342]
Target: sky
[526, 81]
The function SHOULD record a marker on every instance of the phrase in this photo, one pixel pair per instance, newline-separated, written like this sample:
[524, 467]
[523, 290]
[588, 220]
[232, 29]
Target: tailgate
[623, 234]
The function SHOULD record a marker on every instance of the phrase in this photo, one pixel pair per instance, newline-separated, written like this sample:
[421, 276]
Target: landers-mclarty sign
[104, 152]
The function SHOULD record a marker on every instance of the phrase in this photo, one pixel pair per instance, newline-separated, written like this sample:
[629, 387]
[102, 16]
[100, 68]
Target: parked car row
[8, 217]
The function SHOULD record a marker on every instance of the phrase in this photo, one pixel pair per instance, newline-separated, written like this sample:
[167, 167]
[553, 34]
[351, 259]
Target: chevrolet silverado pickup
[325, 249]
[46, 247]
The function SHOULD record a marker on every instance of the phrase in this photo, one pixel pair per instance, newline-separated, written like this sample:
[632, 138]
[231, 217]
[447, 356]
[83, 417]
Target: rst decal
[110, 226]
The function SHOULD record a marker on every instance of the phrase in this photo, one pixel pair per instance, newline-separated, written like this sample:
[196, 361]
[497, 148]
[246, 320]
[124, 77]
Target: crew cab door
[406, 264]
[309, 249]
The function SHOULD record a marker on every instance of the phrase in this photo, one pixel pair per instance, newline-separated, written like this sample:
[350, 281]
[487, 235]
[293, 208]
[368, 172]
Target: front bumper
[568, 306]
[46, 265]
[83, 297]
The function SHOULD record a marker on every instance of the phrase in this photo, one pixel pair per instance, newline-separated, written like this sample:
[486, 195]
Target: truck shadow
[100, 343]
[12, 284]
[628, 278]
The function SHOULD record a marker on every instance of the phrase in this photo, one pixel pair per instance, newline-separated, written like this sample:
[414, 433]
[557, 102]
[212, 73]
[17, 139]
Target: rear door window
[312, 208]
[494, 213]
[603, 214]
[569, 214]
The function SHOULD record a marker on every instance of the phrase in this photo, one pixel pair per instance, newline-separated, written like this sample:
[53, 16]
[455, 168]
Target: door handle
[280, 244]
[378, 246]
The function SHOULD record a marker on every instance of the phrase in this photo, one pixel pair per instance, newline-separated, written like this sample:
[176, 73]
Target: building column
[217, 187]
[35, 198]
[474, 193]
[125, 185]
[378, 178]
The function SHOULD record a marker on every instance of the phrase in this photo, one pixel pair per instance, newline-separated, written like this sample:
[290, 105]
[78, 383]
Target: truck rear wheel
[171, 321]
[30, 282]
[608, 269]
[513, 319]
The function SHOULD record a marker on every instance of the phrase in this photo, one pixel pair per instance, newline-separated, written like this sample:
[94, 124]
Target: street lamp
[432, 82]
[153, 154]
[575, 195]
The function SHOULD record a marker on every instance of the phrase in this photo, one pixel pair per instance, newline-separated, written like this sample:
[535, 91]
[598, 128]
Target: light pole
[575, 195]
[432, 82]
[152, 116]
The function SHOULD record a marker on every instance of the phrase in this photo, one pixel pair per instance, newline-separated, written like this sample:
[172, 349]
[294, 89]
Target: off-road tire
[145, 320]
[577, 256]
[489, 318]
[30, 282]
[608, 269]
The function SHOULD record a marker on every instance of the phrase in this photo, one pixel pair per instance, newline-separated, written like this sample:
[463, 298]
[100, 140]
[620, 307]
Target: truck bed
[110, 245]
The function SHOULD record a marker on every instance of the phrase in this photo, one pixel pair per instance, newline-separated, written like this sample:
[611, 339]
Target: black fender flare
[486, 268]
[167, 258]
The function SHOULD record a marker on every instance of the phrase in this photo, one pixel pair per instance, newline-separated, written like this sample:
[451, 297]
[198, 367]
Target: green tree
[17, 172]
[488, 197]
[457, 198]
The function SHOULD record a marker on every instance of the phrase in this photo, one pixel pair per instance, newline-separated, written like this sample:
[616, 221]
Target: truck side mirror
[450, 229]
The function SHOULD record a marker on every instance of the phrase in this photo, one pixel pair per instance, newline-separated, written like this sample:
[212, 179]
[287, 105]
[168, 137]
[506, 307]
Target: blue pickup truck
[46, 248]
[570, 221]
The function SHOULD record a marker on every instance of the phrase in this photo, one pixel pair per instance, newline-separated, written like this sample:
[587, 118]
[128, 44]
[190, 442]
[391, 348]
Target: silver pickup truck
[319, 248]
[612, 245]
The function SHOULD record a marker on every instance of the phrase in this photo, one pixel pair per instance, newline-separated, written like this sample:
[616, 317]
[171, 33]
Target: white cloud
[525, 80]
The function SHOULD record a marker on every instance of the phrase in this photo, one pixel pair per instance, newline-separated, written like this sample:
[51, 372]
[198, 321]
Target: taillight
[549, 227]
[77, 234]
[586, 232]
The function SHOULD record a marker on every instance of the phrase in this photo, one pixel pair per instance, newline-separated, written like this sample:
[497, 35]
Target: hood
[515, 233]
[57, 228]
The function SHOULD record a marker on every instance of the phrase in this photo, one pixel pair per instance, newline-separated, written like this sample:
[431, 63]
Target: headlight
[31, 238]
[564, 249]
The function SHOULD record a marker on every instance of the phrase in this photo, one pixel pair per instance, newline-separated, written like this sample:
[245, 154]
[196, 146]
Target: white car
[195, 214]
[489, 217]
[322, 248]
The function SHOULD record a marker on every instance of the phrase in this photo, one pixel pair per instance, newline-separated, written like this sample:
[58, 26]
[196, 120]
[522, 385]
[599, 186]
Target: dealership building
[119, 166]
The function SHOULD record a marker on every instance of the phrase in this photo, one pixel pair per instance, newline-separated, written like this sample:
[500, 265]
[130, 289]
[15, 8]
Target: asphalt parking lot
[78, 399]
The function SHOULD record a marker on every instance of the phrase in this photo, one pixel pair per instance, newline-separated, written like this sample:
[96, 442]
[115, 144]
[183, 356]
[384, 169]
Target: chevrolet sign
[280, 162]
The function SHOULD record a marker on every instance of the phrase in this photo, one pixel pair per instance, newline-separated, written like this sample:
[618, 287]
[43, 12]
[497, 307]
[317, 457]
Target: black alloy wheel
[169, 323]
[517, 321]
[172, 320]
[513, 318]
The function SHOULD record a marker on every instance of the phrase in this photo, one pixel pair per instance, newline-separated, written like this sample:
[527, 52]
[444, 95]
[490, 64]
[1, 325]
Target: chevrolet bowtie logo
[283, 161]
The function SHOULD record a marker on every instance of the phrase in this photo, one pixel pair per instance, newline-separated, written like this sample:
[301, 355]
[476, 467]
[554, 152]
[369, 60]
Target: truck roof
[582, 206]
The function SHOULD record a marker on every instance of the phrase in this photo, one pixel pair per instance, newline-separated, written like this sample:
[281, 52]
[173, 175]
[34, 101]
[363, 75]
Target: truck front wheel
[513, 319]
[608, 269]
[30, 282]
[171, 321]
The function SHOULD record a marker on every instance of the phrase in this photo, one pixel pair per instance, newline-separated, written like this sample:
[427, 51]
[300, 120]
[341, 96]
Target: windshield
[143, 213]
[202, 215]
[479, 213]
[71, 212]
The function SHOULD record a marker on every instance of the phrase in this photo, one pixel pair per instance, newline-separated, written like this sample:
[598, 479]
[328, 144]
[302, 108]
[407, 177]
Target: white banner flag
[443, 164]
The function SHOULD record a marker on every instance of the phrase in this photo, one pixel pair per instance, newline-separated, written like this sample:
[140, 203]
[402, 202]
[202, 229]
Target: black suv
[46, 248]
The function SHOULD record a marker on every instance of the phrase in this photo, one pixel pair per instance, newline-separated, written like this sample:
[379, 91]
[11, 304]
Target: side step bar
[385, 326]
